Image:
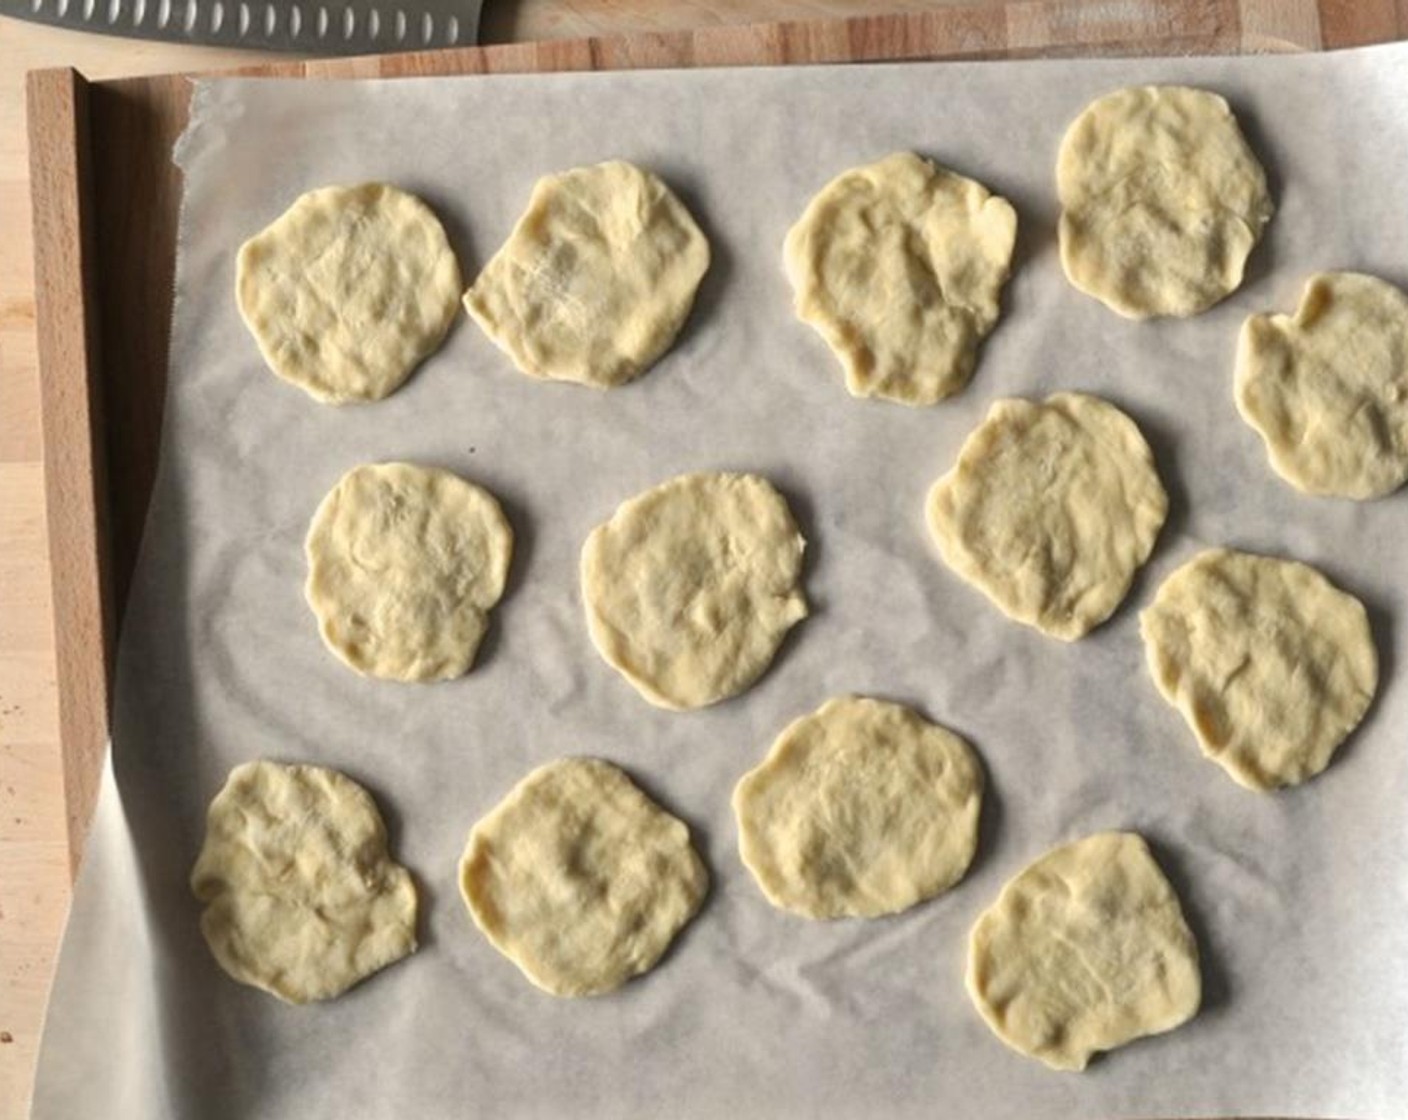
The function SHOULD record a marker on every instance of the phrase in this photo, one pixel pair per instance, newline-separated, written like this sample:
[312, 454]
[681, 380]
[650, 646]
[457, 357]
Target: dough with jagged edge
[1270, 664]
[1085, 950]
[302, 898]
[900, 265]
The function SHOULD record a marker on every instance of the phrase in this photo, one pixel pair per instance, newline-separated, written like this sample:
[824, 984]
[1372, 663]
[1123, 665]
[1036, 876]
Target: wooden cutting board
[105, 204]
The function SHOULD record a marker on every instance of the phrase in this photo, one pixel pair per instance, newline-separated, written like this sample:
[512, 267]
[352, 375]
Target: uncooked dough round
[899, 265]
[596, 279]
[1085, 950]
[1270, 663]
[404, 563]
[1050, 510]
[691, 586]
[1327, 388]
[348, 290]
[580, 879]
[860, 809]
[1162, 201]
[301, 897]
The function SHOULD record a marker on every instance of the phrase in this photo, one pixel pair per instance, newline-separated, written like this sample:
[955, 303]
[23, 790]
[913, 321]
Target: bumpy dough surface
[860, 809]
[580, 879]
[1050, 510]
[1085, 950]
[899, 265]
[1327, 388]
[1270, 664]
[348, 290]
[596, 279]
[691, 586]
[301, 896]
[1162, 201]
[404, 563]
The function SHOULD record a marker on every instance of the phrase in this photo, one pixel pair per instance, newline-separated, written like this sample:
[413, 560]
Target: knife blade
[324, 27]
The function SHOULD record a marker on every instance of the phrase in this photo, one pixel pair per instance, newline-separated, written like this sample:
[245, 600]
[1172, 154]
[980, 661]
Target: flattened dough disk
[1162, 201]
[580, 879]
[1085, 950]
[301, 897]
[349, 290]
[1050, 510]
[899, 265]
[691, 586]
[1270, 664]
[860, 809]
[596, 279]
[404, 564]
[1327, 388]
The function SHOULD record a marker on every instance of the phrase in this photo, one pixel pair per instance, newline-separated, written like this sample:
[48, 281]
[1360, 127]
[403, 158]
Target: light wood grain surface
[35, 846]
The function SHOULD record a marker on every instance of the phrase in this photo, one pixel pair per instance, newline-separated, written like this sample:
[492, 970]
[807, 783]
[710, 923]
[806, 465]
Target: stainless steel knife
[309, 26]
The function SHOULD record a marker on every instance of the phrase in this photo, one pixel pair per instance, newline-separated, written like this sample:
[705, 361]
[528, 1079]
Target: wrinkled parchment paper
[1299, 900]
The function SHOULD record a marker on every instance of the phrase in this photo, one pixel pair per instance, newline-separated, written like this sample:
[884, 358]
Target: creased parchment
[1300, 901]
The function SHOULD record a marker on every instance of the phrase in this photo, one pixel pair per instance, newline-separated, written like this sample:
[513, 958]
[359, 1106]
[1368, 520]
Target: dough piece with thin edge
[1162, 201]
[349, 290]
[1270, 664]
[1050, 510]
[302, 898]
[899, 265]
[691, 586]
[1327, 388]
[861, 808]
[1085, 950]
[596, 279]
[580, 879]
[404, 564]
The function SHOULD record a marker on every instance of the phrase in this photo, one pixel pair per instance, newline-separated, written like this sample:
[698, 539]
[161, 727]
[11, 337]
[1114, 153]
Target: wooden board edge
[74, 444]
[1019, 29]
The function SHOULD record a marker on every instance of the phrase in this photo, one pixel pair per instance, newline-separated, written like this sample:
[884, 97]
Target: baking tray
[105, 215]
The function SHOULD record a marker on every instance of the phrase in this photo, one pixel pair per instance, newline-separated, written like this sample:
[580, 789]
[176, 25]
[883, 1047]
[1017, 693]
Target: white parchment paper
[1299, 900]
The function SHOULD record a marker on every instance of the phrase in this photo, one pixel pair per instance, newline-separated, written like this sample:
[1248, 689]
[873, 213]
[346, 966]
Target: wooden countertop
[34, 852]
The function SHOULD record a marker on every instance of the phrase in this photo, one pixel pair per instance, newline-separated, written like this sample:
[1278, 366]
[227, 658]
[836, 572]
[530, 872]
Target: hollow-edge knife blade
[310, 26]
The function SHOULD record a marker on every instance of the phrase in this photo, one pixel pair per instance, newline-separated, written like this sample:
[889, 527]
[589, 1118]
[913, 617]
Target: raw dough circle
[1270, 664]
[691, 586]
[348, 290]
[301, 896]
[1327, 388]
[580, 879]
[1050, 510]
[404, 563]
[1162, 201]
[596, 279]
[1085, 950]
[860, 809]
[899, 265]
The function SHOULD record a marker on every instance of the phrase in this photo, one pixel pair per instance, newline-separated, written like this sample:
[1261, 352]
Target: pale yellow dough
[348, 290]
[860, 809]
[1270, 664]
[596, 279]
[691, 586]
[580, 879]
[899, 265]
[1050, 510]
[1162, 201]
[1327, 388]
[404, 564]
[1085, 950]
[301, 896]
